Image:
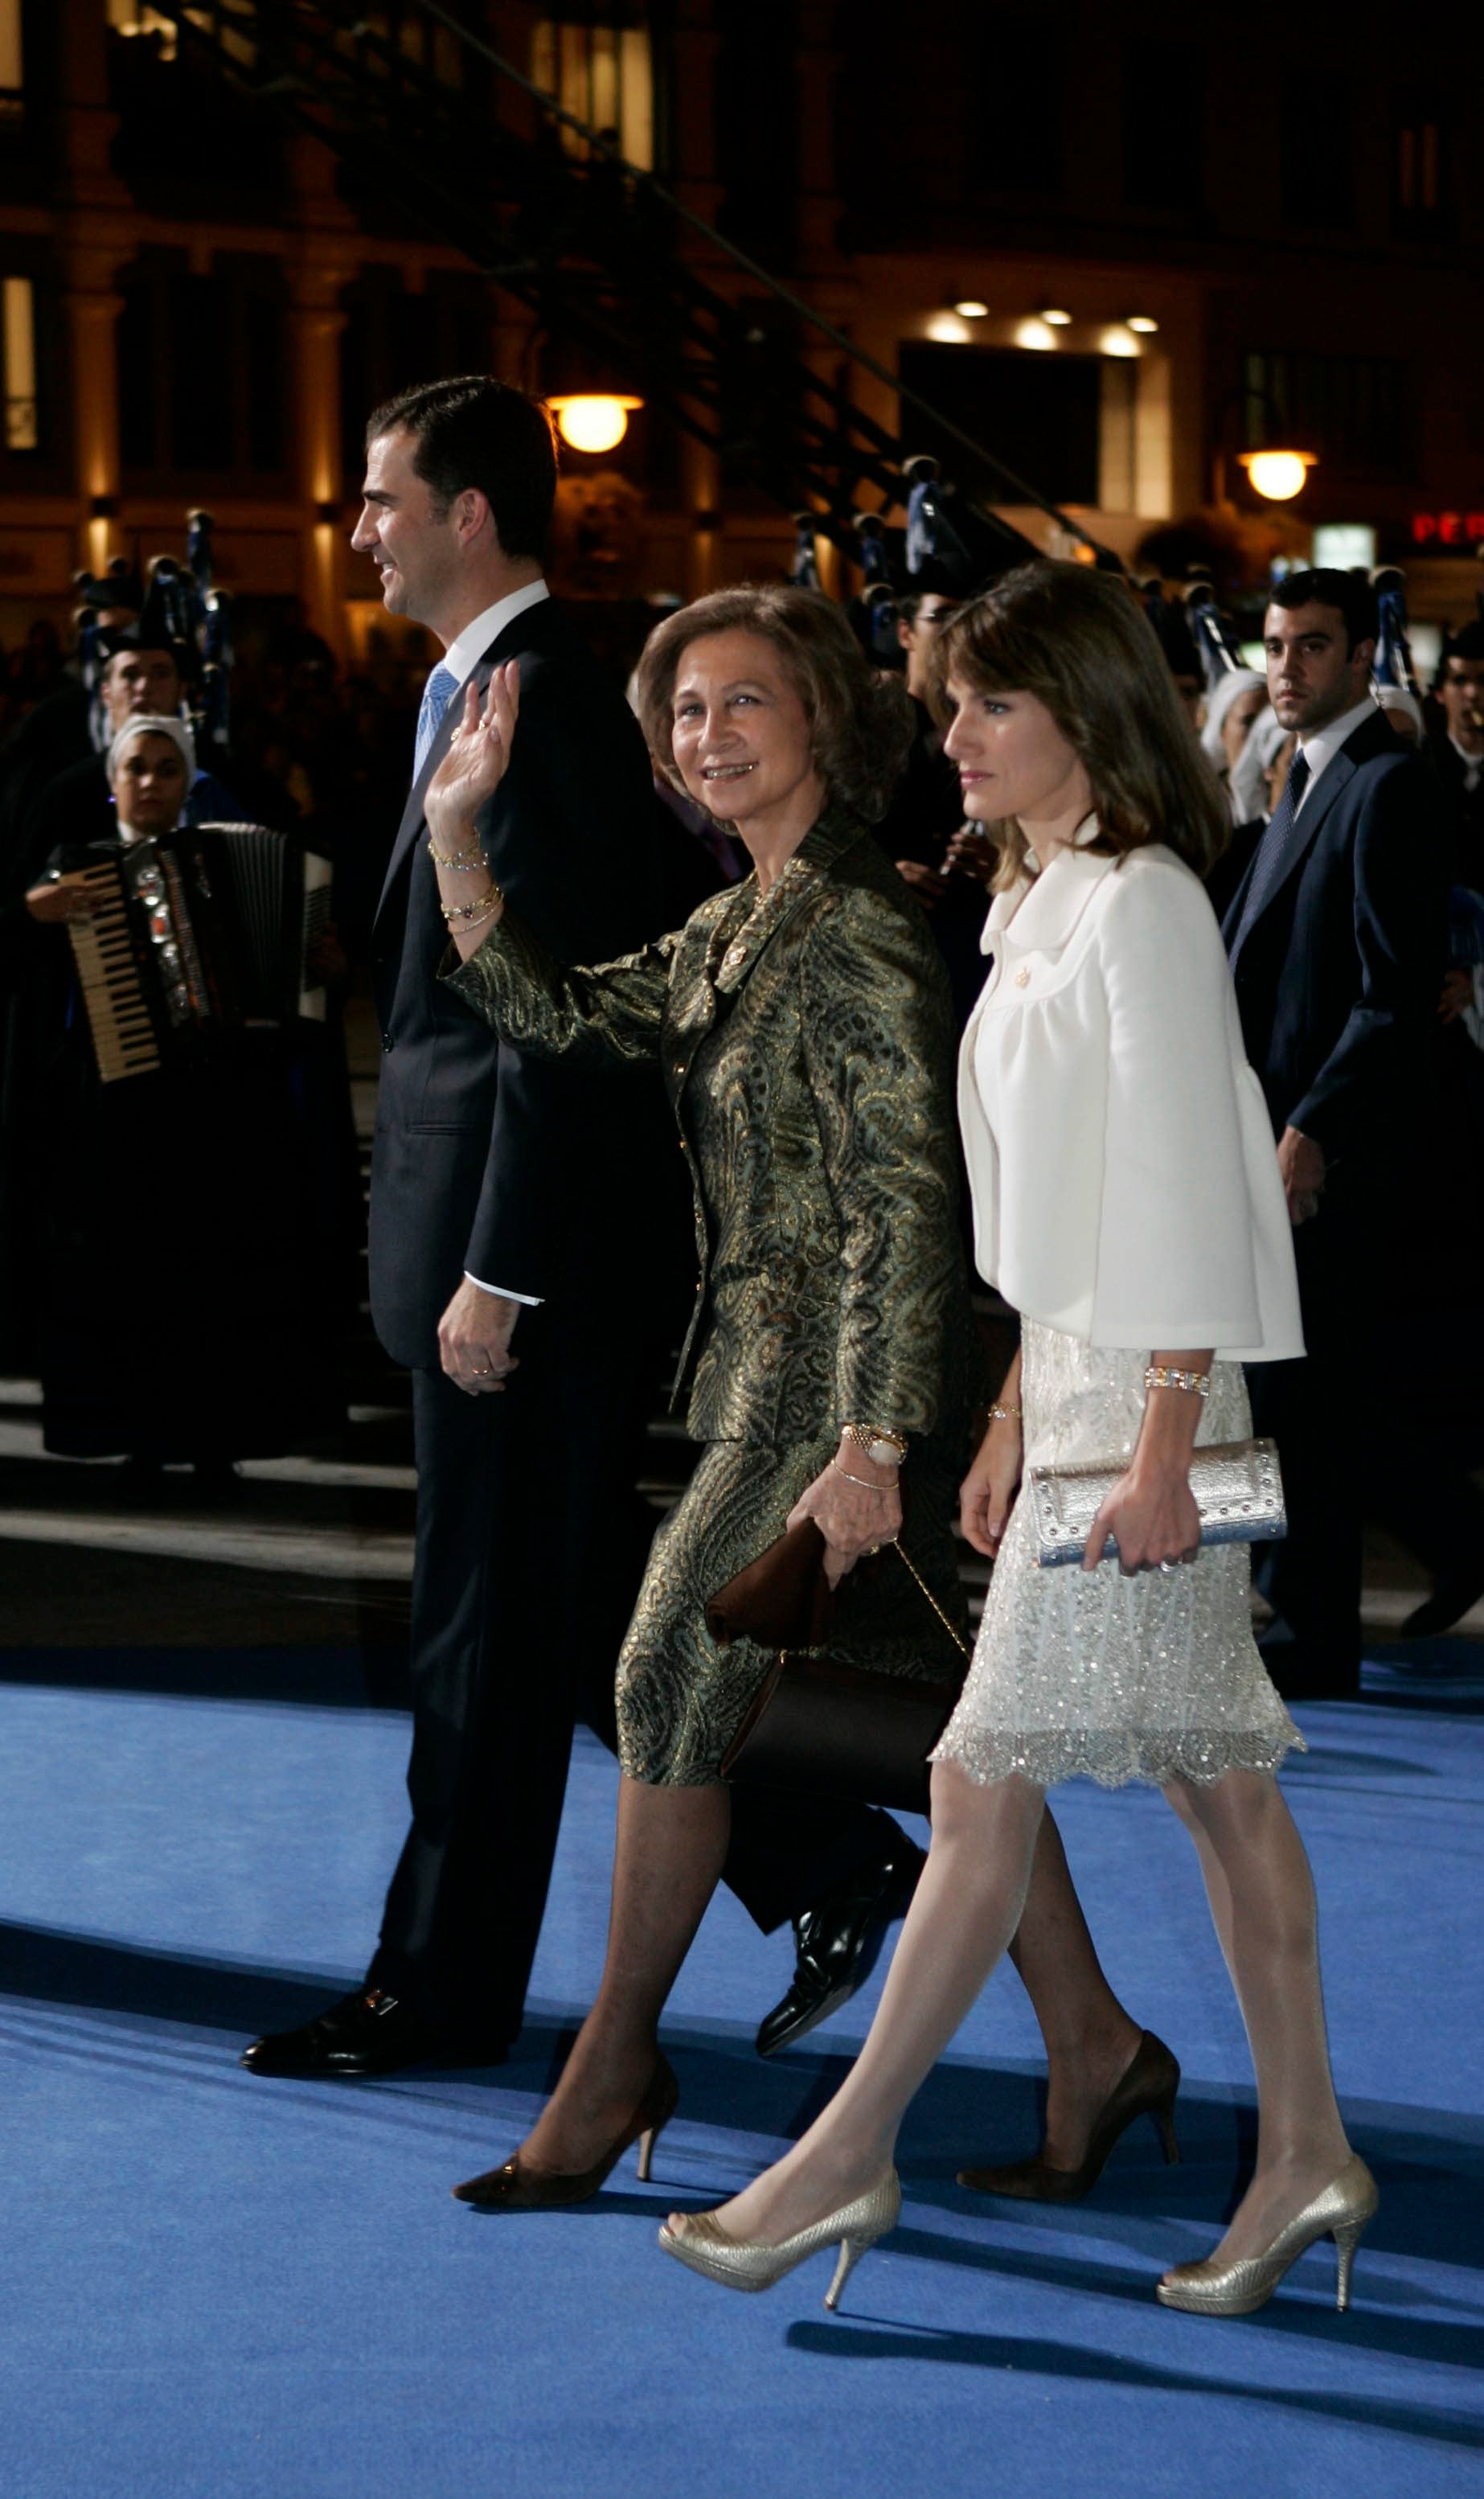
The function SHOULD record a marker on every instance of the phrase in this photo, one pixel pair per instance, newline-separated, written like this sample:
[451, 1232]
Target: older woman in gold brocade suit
[802, 1027]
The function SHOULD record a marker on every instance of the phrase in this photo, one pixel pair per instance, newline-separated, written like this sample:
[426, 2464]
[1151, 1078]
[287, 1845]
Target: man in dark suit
[1457, 754]
[1336, 936]
[518, 1246]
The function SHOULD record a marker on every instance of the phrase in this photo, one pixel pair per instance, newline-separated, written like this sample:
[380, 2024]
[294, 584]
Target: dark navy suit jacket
[528, 1175]
[1338, 978]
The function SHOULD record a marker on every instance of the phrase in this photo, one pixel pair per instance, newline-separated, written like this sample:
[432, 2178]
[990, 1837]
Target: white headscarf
[1218, 702]
[1397, 699]
[1250, 797]
[153, 723]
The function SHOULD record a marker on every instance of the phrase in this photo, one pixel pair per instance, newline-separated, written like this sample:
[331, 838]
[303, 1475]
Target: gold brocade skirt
[680, 1695]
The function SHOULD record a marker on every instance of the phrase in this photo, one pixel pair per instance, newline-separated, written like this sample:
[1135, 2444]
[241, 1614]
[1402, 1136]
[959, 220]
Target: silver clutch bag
[1237, 1485]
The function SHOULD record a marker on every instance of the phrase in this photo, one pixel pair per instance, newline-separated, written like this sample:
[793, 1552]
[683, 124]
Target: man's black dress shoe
[837, 1943]
[368, 2032]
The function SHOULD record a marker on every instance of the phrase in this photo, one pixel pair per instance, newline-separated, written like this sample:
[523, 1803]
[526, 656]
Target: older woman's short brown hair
[860, 722]
[1080, 642]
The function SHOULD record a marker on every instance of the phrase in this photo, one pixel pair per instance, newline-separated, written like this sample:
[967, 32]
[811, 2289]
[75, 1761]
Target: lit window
[12, 59]
[131, 17]
[602, 76]
[18, 304]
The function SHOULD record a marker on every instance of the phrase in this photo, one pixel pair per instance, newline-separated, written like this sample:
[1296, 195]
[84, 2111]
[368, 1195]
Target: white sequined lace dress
[1093, 1674]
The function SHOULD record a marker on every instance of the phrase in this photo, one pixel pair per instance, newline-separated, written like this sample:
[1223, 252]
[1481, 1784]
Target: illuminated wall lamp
[1056, 320]
[970, 308]
[1141, 322]
[1034, 334]
[592, 420]
[1276, 475]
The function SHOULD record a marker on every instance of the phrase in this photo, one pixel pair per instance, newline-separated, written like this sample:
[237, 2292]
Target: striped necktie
[1273, 851]
[436, 694]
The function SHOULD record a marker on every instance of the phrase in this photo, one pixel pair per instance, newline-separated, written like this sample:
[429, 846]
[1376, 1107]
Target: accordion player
[196, 930]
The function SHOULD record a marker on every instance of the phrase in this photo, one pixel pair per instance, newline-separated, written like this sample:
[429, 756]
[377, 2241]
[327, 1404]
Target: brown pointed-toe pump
[1146, 2089]
[518, 2185]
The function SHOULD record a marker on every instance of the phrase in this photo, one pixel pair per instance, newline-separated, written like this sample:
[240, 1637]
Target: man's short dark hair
[1327, 587]
[1468, 643]
[481, 433]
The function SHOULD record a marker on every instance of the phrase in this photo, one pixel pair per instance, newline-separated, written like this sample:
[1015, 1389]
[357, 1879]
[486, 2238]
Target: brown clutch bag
[817, 1725]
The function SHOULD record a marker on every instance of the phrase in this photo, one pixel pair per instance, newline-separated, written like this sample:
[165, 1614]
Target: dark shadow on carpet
[1002, 2352]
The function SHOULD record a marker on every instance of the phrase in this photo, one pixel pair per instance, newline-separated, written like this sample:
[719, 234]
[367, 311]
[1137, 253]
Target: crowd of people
[1218, 1105]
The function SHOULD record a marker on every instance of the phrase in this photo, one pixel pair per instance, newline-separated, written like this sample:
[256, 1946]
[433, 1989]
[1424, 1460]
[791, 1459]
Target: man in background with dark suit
[508, 1273]
[1336, 936]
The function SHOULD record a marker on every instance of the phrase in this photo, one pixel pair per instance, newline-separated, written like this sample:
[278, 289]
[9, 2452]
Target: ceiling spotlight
[1034, 334]
[1057, 320]
[971, 309]
[1141, 322]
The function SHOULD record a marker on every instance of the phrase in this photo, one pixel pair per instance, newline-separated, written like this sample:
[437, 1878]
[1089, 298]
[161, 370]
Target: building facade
[1114, 247]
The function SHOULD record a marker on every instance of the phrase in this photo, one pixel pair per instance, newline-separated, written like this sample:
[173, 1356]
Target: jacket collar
[1371, 739]
[1046, 909]
[743, 932]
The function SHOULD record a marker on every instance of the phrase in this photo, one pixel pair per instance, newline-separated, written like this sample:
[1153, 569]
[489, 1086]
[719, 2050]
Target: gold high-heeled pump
[699, 2241]
[1339, 2211]
[518, 2186]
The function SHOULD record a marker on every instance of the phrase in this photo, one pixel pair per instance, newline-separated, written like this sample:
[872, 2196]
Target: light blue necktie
[436, 694]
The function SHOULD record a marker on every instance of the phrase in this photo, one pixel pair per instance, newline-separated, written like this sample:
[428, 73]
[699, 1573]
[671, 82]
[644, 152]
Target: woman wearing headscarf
[1232, 705]
[183, 1315]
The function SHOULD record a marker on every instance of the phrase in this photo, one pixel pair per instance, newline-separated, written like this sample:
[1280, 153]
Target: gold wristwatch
[884, 1447]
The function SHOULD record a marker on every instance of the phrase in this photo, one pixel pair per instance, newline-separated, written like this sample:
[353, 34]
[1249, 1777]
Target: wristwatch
[884, 1447]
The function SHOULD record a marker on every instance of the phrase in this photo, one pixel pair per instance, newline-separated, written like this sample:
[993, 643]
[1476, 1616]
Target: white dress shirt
[1120, 1153]
[460, 658]
[1322, 745]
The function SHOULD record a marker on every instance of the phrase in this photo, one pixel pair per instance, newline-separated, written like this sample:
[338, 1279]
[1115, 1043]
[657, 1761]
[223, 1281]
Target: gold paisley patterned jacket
[806, 1045]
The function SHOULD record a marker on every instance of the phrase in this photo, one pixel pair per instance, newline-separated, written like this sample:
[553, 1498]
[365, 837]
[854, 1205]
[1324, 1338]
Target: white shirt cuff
[530, 1301]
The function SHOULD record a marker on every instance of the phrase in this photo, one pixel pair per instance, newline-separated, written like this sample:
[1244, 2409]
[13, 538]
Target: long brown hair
[1079, 643]
[860, 722]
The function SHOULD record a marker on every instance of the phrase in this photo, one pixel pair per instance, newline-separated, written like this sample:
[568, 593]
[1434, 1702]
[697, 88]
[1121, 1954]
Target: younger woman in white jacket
[1127, 1202]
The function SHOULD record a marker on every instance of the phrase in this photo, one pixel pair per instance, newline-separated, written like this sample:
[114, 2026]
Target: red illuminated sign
[1447, 529]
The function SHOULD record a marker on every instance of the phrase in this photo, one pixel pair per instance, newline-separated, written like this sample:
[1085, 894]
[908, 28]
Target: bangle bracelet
[1007, 1413]
[1197, 1383]
[467, 915]
[866, 1487]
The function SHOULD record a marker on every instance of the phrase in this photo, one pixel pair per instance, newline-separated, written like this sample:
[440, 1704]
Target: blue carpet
[215, 2285]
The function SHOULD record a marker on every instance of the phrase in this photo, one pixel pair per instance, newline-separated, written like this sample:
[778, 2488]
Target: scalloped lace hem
[1120, 1757]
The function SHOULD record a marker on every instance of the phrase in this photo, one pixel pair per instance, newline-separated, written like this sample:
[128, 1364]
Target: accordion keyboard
[124, 1042]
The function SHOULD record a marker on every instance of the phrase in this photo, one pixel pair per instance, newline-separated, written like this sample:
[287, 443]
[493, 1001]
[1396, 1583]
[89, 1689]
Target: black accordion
[204, 929]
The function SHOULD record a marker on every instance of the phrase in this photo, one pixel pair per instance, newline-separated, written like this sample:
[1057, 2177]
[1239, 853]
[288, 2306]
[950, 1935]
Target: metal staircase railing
[418, 107]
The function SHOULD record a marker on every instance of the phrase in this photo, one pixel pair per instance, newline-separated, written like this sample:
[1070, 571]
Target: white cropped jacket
[1121, 1154]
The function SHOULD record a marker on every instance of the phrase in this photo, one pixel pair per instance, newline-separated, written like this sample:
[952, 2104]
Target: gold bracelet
[1007, 1413]
[858, 1480]
[466, 862]
[867, 1435]
[1159, 1375]
[468, 915]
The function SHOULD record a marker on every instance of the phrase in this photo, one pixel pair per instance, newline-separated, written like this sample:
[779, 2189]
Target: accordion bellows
[1237, 1488]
